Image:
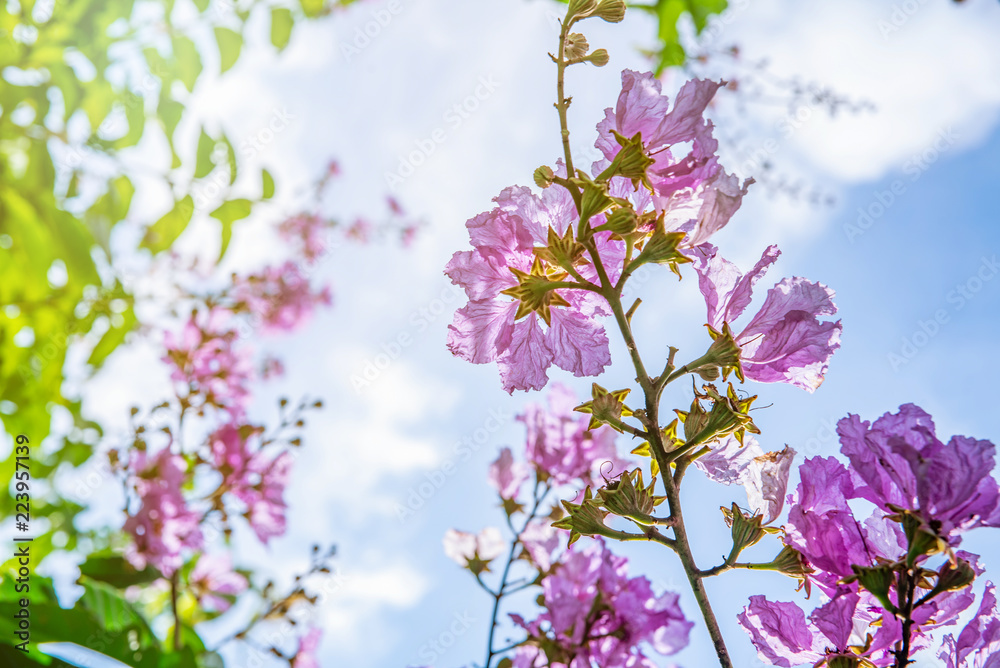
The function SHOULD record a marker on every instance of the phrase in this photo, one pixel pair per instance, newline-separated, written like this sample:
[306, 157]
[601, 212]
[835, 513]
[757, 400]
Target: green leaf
[281, 27]
[164, 232]
[227, 214]
[312, 8]
[188, 61]
[108, 606]
[112, 338]
[202, 5]
[230, 43]
[268, 185]
[116, 571]
[204, 165]
[231, 156]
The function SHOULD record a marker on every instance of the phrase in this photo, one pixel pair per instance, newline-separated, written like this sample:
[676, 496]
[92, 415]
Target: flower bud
[581, 9]
[612, 11]
[544, 176]
[576, 46]
[599, 58]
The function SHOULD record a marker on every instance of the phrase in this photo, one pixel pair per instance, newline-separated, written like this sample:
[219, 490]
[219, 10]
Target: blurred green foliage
[668, 50]
[83, 83]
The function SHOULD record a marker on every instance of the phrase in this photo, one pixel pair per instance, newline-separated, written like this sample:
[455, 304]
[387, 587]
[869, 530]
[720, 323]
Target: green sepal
[605, 407]
[877, 580]
[628, 497]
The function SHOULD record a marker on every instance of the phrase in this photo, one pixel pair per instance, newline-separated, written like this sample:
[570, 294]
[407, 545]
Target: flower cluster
[876, 572]
[255, 478]
[561, 446]
[163, 525]
[279, 298]
[537, 288]
[206, 358]
[594, 614]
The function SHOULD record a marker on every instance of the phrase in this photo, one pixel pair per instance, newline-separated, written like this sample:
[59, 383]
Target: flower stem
[173, 607]
[502, 588]
[909, 581]
[681, 544]
[563, 104]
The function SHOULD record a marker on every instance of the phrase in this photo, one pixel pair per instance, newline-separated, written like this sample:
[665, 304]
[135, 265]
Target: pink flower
[978, 645]
[394, 206]
[307, 232]
[490, 328]
[408, 235]
[305, 657]
[540, 539]
[254, 478]
[696, 194]
[899, 460]
[360, 230]
[598, 615]
[560, 445]
[281, 298]
[214, 582]
[781, 635]
[506, 475]
[163, 526]
[764, 475]
[785, 342]
[206, 358]
[463, 547]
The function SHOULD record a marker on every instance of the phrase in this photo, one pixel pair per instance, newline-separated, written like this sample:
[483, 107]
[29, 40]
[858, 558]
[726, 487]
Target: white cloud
[938, 69]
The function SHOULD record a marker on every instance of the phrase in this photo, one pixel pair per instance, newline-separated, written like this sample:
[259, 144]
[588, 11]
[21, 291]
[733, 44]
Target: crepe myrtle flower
[785, 342]
[693, 192]
[305, 655]
[515, 317]
[783, 637]
[898, 463]
[164, 525]
[561, 446]
[978, 645]
[594, 614]
[214, 582]
[474, 551]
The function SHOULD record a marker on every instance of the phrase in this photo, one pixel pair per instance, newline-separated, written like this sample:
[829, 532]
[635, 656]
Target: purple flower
[782, 636]
[822, 527]
[305, 656]
[697, 195]
[164, 525]
[506, 475]
[215, 583]
[785, 342]
[279, 298]
[253, 477]
[594, 614]
[978, 645]
[764, 475]
[490, 327]
[560, 445]
[899, 461]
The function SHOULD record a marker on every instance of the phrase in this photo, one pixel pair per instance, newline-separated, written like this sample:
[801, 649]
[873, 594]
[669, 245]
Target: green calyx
[628, 497]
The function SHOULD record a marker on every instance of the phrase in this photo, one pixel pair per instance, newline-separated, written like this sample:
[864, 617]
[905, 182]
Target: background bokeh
[914, 184]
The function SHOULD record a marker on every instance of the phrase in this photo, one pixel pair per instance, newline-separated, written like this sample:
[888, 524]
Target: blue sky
[935, 79]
